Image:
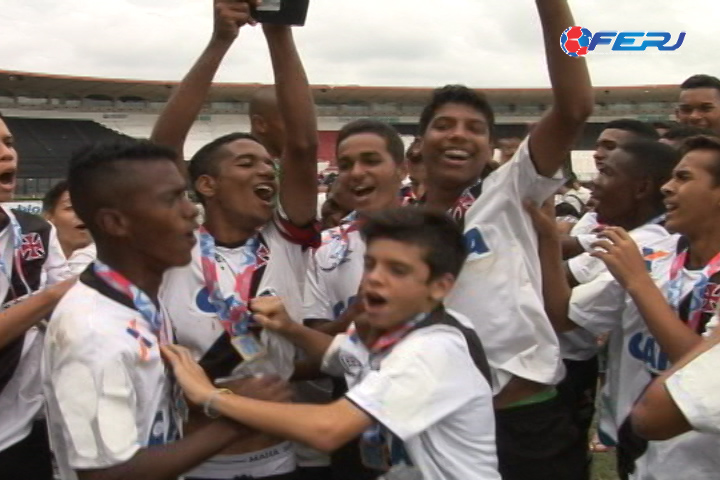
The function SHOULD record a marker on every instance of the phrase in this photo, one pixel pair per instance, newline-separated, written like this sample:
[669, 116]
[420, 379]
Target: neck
[639, 217]
[133, 266]
[224, 231]
[704, 247]
[443, 198]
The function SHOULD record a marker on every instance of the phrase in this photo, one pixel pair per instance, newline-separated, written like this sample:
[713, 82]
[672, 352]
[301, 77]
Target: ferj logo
[579, 41]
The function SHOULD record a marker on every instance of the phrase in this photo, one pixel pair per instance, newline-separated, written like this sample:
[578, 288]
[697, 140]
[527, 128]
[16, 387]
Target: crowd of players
[446, 329]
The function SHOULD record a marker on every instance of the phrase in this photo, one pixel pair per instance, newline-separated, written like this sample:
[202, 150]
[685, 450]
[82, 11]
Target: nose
[7, 154]
[667, 189]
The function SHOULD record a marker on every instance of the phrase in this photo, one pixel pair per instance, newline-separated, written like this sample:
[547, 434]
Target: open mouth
[375, 300]
[456, 155]
[7, 178]
[361, 192]
[265, 192]
[82, 227]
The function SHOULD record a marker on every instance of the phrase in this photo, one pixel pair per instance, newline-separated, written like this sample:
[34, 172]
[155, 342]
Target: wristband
[208, 410]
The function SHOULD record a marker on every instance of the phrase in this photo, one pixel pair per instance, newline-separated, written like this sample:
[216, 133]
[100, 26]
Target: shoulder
[30, 222]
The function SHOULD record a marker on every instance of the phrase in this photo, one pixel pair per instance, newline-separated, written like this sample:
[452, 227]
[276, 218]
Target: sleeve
[597, 306]
[307, 236]
[316, 299]
[96, 404]
[56, 265]
[694, 389]
[585, 267]
[422, 381]
[331, 363]
[521, 172]
[81, 258]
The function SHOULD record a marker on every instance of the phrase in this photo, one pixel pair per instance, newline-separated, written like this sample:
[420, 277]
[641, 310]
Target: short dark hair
[94, 169]
[636, 127]
[432, 230]
[681, 132]
[205, 161]
[413, 156]
[457, 94]
[701, 80]
[667, 124]
[705, 142]
[52, 197]
[652, 160]
[394, 143]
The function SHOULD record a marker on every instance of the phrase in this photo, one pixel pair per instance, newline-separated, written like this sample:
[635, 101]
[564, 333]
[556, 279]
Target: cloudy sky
[483, 43]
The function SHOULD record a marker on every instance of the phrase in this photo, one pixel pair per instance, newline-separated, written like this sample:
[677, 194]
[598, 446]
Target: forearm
[187, 100]
[573, 96]
[673, 335]
[295, 99]
[319, 426]
[168, 462]
[19, 318]
[556, 290]
[570, 247]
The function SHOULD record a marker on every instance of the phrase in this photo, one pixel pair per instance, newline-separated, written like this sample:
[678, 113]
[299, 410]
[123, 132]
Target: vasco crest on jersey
[32, 247]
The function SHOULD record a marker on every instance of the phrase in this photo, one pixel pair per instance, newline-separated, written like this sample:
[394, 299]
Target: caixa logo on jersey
[579, 41]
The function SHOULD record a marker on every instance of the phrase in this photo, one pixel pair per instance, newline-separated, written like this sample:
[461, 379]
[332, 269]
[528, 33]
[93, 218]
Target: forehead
[151, 176]
[698, 160]
[362, 143]
[615, 135]
[395, 251]
[695, 96]
[460, 112]
[4, 130]
[244, 146]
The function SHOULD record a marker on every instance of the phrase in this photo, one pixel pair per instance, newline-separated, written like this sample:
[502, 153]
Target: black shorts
[30, 458]
[540, 442]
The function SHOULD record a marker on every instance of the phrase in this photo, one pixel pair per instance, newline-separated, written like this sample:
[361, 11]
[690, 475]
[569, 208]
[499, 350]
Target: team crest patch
[32, 247]
[711, 295]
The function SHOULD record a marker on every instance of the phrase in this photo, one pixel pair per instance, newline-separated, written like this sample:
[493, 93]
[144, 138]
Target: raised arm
[573, 100]
[298, 179]
[188, 98]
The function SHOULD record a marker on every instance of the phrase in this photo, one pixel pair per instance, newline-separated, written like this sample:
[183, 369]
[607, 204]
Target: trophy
[282, 12]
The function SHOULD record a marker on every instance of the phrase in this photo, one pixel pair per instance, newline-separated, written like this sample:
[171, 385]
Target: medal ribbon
[233, 311]
[697, 299]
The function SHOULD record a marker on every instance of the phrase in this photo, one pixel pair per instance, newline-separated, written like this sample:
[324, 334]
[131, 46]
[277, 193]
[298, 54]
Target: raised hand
[229, 16]
[621, 255]
[271, 314]
[543, 217]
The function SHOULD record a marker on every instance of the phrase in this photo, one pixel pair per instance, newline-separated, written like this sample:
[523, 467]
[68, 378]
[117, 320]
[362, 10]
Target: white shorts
[276, 460]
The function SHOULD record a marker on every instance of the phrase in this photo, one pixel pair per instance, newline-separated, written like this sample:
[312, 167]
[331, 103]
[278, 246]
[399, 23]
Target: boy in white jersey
[627, 192]
[419, 392]
[248, 245]
[370, 159]
[648, 334]
[499, 289]
[28, 247]
[113, 411]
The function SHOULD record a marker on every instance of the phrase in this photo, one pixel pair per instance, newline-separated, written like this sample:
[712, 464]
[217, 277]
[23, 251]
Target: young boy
[419, 392]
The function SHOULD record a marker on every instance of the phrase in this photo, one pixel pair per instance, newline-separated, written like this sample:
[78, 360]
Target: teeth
[461, 154]
[264, 188]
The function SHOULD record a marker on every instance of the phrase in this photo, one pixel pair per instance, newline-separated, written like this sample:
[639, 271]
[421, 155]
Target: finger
[604, 245]
[611, 235]
[169, 354]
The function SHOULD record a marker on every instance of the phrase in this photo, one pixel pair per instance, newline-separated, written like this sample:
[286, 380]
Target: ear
[645, 189]
[112, 222]
[441, 286]
[206, 186]
[402, 170]
[258, 124]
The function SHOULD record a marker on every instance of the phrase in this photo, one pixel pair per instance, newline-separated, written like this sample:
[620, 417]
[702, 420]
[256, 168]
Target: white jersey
[499, 288]
[634, 357]
[21, 399]
[81, 258]
[107, 389]
[428, 392]
[694, 389]
[583, 230]
[335, 273]
[282, 265]
[580, 344]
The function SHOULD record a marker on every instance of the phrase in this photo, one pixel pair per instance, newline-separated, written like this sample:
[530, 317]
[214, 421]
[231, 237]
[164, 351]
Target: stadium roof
[61, 86]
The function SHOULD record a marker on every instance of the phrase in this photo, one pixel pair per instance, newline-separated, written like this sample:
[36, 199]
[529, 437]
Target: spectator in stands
[508, 147]
[676, 135]
[74, 237]
[28, 245]
[266, 122]
[699, 104]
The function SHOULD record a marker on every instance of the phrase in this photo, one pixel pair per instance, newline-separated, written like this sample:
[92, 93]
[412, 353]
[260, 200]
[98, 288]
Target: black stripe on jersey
[91, 279]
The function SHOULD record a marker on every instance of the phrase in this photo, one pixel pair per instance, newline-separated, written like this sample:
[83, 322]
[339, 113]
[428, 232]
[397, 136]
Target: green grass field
[604, 466]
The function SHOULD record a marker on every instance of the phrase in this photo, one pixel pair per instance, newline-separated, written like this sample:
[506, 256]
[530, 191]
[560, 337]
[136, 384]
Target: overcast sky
[483, 43]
